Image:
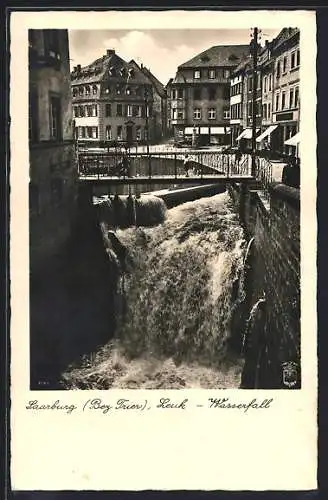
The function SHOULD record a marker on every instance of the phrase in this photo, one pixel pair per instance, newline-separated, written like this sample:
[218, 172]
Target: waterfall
[183, 287]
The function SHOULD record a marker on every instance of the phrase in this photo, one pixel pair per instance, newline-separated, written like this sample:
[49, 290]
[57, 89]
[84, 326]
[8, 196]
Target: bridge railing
[175, 164]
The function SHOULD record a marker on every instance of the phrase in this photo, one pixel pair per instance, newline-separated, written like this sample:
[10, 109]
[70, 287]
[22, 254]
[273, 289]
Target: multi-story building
[159, 123]
[199, 95]
[53, 172]
[116, 101]
[285, 113]
[266, 65]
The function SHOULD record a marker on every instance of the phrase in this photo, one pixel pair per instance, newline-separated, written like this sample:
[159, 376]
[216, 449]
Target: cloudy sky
[160, 50]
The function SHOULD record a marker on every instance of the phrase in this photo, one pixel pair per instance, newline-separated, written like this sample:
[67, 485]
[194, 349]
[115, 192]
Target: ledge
[287, 193]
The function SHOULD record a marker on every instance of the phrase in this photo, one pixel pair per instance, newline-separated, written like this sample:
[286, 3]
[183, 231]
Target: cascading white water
[183, 282]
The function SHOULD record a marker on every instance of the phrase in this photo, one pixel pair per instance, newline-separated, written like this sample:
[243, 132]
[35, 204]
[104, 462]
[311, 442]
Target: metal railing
[171, 163]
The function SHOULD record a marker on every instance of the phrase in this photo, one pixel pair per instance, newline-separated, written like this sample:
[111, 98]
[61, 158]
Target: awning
[204, 130]
[189, 130]
[266, 133]
[293, 141]
[246, 134]
[219, 130]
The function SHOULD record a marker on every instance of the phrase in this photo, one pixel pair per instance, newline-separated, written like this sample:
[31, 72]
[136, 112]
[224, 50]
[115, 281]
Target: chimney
[74, 69]
[266, 43]
[141, 66]
[110, 52]
[78, 67]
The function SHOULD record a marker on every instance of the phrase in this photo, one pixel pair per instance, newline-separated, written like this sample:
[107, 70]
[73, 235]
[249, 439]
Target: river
[178, 302]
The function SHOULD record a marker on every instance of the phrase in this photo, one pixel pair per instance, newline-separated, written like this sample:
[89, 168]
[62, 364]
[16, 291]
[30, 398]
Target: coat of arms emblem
[289, 373]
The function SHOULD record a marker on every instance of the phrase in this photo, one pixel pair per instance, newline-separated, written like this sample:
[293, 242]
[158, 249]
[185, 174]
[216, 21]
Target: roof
[99, 69]
[284, 35]
[156, 83]
[218, 55]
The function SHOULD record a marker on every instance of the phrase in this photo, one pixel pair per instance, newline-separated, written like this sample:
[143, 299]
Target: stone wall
[273, 274]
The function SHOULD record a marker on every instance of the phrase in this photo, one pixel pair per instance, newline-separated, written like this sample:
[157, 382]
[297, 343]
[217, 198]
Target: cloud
[143, 48]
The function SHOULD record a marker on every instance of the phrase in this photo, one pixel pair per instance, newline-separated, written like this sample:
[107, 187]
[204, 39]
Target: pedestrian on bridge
[186, 164]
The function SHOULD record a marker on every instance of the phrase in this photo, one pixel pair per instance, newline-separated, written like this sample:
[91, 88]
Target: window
[108, 110]
[129, 110]
[258, 108]
[197, 74]
[119, 133]
[34, 198]
[284, 67]
[226, 92]
[265, 84]
[56, 191]
[118, 90]
[264, 111]
[249, 109]
[94, 132]
[55, 118]
[87, 90]
[138, 133]
[197, 113]
[283, 100]
[180, 114]
[89, 132]
[51, 43]
[211, 93]
[108, 133]
[94, 110]
[250, 84]
[293, 60]
[297, 58]
[94, 89]
[119, 110]
[174, 113]
[89, 110]
[128, 91]
[75, 91]
[76, 111]
[211, 74]
[211, 113]
[296, 97]
[136, 111]
[226, 114]
[107, 90]
[33, 115]
[277, 102]
[81, 111]
[81, 132]
[270, 82]
[269, 111]
[226, 73]
[278, 70]
[180, 93]
[81, 90]
[174, 94]
[291, 98]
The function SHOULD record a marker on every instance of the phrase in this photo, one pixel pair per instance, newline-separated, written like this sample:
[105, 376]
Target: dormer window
[211, 74]
[87, 90]
[111, 71]
[94, 89]
[196, 74]
[118, 90]
[122, 71]
[131, 72]
[128, 91]
[107, 90]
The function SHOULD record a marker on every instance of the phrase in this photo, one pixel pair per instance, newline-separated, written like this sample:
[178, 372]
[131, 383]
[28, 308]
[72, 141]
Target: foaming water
[180, 294]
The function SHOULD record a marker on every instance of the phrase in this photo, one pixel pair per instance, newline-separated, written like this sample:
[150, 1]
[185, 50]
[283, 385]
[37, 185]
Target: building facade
[286, 81]
[199, 95]
[116, 101]
[53, 169]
